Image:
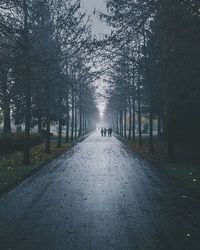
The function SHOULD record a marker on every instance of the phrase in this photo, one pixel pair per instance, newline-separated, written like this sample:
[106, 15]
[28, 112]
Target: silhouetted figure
[105, 132]
[102, 131]
[110, 132]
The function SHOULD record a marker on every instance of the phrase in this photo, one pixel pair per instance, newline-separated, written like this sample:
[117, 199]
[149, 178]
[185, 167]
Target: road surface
[99, 196]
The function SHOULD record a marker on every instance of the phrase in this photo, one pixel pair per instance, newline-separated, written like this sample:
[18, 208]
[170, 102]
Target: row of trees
[46, 68]
[154, 53]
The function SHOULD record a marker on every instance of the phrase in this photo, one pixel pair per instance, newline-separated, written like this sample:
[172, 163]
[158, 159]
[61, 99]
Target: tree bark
[133, 104]
[133, 120]
[121, 123]
[39, 123]
[84, 123]
[139, 111]
[76, 118]
[80, 117]
[48, 126]
[86, 127]
[67, 128]
[67, 116]
[130, 118]
[125, 118]
[27, 86]
[117, 130]
[72, 121]
[151, 145]
[59, 132]
[159, 125]
[6, 103]
[48, 119]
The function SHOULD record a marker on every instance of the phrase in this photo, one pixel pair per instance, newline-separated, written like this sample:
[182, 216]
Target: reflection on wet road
[99, 196]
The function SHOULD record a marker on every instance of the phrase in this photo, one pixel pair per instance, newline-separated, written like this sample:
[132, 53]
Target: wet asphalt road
[99, 196]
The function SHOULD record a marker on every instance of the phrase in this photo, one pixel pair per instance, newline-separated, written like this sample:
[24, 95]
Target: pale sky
[89, 5]
[98, 29]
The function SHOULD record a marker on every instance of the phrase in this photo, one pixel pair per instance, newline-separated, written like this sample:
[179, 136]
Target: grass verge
[184, 170]
[13, 171]
[188, 174]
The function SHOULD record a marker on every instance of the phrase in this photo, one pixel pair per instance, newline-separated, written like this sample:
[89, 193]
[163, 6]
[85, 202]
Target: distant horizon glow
[101, 107]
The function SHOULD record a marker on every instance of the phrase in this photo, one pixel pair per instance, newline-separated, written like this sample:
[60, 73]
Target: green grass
[186, 169]
[13, 171]
[188, 174]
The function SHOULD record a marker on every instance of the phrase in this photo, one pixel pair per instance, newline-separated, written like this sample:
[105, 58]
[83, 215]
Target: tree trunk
[164, 121]
[19, 128]
[133, 120]
[86, 128]
[125, 119]
[159, 125]
[6, 122]
[72, 121]
[133, 101]
[130, 119]
[6, 104]
[39, 124]
[67, 116]
[27, 86]
[67, 128]
[121, 123]
[76, 118]
[60, 132]
[139, 113]
[80, 118]
[151, 146]
[84, 123]
[48, 139]
[27, 127]
[48, 118]
[117, 130]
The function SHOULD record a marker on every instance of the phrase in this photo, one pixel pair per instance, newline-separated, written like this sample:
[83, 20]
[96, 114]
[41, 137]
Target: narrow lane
[99, 196]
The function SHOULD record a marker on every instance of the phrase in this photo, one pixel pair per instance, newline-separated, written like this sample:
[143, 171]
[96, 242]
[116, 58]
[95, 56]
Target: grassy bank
[13, 171]
[188, 174]
[186, 169]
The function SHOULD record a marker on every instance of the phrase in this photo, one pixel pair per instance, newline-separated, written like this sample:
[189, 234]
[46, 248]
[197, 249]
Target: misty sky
[98, 29]
[89, 5]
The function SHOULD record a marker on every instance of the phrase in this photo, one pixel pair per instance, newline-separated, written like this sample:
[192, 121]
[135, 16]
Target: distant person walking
[110, 132]
[105, 132]
[102, 131]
